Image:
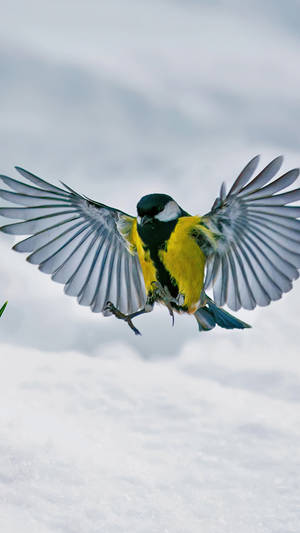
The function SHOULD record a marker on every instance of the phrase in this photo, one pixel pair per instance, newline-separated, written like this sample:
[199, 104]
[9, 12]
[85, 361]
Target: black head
[157, 207]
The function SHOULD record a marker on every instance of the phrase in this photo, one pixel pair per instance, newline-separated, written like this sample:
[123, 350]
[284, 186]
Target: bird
[245, 250]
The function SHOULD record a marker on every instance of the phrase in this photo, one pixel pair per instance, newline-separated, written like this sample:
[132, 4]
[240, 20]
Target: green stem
[2, 308]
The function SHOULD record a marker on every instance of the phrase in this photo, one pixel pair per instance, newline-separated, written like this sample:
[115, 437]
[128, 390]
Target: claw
[110, 307]
[131, 325]
[171, 313]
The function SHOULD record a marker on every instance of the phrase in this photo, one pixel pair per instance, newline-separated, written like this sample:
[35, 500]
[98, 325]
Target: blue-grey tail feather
[210, 315]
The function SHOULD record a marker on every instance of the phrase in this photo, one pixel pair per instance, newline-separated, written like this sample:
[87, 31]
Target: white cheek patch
[170, 212]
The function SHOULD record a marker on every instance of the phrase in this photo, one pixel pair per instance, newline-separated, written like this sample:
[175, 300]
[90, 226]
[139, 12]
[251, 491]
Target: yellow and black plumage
[247, 248]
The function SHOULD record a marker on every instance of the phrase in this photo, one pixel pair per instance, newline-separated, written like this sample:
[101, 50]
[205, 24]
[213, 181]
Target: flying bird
[247, 248]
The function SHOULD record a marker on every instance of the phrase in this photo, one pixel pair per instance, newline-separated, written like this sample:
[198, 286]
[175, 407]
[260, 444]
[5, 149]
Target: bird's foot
[127, 318]
[163, 294]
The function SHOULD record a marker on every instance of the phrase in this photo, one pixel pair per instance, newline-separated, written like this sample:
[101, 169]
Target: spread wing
[257, 238]
[76, 240]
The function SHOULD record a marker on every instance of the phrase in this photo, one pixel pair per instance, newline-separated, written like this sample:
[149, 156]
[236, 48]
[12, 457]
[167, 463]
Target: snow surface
[114, 443]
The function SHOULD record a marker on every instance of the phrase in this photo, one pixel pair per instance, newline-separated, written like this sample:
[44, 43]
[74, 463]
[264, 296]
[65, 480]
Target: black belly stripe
[155, 236]
[163, 275]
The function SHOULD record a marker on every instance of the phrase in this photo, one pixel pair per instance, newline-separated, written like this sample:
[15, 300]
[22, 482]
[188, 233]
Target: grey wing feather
[257, 236]
[77, 241]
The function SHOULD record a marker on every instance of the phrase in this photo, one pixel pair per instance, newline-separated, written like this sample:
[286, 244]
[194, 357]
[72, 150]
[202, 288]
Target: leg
[163, 294]
[128, 318]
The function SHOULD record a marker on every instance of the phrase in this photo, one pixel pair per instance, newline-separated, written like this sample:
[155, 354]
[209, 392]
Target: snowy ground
[112, 443]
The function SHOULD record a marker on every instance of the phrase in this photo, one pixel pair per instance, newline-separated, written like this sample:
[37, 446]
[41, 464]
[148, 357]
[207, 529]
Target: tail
[210, 315]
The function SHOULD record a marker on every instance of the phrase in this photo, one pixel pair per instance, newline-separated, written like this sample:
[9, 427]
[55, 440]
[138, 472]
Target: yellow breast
[182, 258]
[185, 261]
[148, 268]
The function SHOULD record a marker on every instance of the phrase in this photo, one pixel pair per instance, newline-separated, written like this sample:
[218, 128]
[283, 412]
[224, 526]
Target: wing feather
[30, 200]
[88, 290]
[31, 190]
[37, 240]
[257, 236]
[246, 295]
[28, 213]
[35, 225]
[77, 241]
[42, 184]
[74, 260]
[277, 185]
[60, 245]
[264, 176]
[75, 283]
[98, 302]
[244, 176]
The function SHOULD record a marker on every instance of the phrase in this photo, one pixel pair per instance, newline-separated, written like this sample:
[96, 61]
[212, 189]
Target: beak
[144, 220]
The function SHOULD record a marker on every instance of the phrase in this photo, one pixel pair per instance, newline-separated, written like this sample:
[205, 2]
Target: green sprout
[2, 308]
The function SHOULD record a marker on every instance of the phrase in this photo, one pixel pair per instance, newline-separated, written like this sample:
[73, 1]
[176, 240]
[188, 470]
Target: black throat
[155, 235]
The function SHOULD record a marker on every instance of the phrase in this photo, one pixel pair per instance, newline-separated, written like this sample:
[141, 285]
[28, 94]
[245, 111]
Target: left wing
[81, 243]
[257, 238]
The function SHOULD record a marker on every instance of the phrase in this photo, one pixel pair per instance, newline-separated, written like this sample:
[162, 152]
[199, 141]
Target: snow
[198, 442]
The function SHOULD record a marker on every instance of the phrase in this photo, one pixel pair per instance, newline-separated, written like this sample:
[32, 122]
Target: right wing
[78, 241]
[256, 252]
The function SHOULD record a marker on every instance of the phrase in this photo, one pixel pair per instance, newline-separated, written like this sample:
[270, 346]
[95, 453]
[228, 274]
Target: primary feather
[77, 241]
[257, 252]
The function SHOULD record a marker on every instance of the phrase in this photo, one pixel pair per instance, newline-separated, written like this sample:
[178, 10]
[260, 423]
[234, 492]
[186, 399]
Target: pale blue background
[123, 98]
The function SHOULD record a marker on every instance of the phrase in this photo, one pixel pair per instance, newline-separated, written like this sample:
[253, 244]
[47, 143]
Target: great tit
[247, 248]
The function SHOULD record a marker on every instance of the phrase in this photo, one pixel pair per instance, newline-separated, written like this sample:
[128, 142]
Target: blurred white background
[120, 99]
